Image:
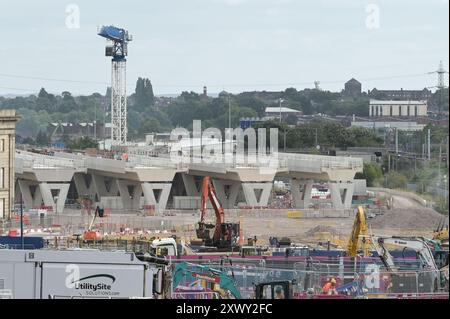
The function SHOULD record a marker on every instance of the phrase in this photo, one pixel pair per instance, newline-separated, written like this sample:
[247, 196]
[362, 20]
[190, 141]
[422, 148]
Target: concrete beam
[149, 194]
[341, 194]
[56, 174]
[130, 193]
[29, 198]
[301, 192]
[154, 174]
[254, 190]
[227, 191]
[337, 174]
[49, 199]
[255, 174]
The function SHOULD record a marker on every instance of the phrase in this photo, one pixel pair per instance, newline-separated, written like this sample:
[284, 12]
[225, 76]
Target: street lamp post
[229, 123]
[229, 111]
[21, 222]
[279, 103]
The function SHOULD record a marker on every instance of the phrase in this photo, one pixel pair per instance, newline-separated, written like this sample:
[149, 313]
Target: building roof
[353, 81]
[382, 102]
[402, 91]
[283, 110]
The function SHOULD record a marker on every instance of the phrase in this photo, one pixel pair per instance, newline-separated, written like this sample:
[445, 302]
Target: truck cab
[164, 247]
[274, 290]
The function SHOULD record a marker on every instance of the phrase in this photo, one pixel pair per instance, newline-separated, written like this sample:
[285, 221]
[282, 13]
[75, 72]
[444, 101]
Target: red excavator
[226, 235]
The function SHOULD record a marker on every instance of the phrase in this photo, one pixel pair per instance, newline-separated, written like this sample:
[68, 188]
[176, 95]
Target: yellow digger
[359, 229]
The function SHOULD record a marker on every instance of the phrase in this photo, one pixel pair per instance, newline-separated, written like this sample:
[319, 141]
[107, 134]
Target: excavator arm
[418, 244]
[359, 229]
[182, 270]
[221, 229]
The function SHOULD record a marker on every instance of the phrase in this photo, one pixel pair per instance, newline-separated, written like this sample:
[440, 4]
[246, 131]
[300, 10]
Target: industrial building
[384, 125]
[8, 121]
[378, 108]
[401, 94]
[276, 112]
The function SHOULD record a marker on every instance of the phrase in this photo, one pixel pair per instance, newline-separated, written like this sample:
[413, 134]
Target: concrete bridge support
[301, 192]
[84, 188]
[130, 193]
[190, 185]
[158, 198]
[31, 194]
[58, 200]
[341, 194]
[257, 194]
[227, 191]
[104, 186]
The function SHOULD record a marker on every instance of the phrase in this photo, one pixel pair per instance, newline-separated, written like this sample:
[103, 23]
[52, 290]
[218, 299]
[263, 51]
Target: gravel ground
[407, 218]
[413, 218]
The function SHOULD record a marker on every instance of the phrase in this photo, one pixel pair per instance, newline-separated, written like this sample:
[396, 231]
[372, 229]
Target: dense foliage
[147, 113]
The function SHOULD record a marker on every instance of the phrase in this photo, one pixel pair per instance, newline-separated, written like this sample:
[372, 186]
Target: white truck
[44, 274]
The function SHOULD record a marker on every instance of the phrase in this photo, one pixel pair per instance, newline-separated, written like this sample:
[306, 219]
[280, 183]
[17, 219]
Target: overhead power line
[221, 85]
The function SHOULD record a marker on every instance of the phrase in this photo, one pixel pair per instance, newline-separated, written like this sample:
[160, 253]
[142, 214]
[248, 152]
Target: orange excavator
[225, 234]
[90, 234]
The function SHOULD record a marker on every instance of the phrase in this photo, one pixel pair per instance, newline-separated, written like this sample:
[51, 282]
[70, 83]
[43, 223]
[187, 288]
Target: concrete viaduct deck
[142, 180]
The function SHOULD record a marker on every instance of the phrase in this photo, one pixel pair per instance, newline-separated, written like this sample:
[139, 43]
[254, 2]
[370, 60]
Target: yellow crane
[359, 228]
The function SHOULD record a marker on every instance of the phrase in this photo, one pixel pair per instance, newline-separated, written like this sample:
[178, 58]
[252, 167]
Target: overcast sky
[232, 45]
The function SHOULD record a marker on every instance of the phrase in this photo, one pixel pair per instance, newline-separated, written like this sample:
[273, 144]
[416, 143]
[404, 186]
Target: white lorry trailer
[43, 274]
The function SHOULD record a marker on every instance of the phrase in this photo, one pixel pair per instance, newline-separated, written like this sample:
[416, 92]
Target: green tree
[68, 103]
[82, 143]
[396, 180]
[372, 173]
[291, 119]
[42, 139]
[144, 97]
[150, 125]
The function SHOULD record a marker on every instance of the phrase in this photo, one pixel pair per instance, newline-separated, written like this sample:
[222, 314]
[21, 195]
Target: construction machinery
[441, 233]
[420, 246]
[91, 234]
[212, 280]
[274, 290]
[225, 234]
[117, 48]
[359, 229]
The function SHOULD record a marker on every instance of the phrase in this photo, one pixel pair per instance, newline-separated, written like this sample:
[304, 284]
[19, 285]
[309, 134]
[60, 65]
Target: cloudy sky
[232, 45]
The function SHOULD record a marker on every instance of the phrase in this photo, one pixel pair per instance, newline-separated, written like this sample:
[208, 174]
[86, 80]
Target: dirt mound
[411, 218]
[321, 229]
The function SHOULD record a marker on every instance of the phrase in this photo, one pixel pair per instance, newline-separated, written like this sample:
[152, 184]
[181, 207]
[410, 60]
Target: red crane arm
[208, 191]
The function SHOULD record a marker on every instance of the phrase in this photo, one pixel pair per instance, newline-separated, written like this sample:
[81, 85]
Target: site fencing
[371, 282]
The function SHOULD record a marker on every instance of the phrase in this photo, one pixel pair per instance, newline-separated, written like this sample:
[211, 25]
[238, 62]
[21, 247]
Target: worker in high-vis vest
[330, 287]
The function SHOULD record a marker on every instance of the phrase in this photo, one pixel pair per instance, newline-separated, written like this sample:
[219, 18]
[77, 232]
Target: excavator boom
[225, 234]
[359, 229]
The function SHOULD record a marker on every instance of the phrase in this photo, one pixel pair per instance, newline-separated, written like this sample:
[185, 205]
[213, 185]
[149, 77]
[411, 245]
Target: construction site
[130, 222]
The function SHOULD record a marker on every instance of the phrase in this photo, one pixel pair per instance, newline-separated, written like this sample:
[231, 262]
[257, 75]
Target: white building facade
[397, 108]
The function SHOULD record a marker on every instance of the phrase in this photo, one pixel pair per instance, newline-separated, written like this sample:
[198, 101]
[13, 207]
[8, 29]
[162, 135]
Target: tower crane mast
[117, 48]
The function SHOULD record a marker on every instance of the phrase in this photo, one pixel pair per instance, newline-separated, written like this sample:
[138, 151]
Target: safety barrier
[368, 283]
[195, 295]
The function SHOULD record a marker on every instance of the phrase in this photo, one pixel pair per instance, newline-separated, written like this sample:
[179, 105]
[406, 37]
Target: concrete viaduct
[141, 180]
